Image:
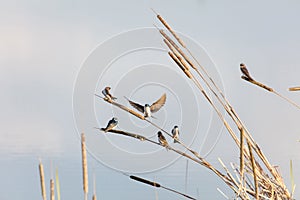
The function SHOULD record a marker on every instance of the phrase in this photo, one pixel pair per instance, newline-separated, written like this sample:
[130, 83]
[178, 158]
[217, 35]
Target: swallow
[245, 71]
[147, 109]
[161, 139]
[175, 133]
[107, 94]
[111, 124]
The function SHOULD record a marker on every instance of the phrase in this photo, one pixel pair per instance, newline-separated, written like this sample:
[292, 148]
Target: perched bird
[175, 133]
[245, 71]
[107, 94]
[147, 109]
[111, 124]
[161, 139]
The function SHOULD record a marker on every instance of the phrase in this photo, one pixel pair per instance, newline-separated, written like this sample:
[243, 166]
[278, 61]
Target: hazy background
[42, 46]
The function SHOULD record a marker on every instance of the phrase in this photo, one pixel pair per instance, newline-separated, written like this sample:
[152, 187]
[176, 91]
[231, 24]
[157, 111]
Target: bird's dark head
[107, 88]
[159, 134]
[175, 126]
[242, 65]
[147, 105]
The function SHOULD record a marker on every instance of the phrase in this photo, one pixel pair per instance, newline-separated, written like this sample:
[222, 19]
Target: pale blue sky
[43, 45]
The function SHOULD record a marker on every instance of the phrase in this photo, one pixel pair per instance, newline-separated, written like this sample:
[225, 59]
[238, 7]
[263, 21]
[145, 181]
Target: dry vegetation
[255, 178]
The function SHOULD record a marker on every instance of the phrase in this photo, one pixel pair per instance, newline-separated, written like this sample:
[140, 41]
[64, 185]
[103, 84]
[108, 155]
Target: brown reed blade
[42, 181]
[84, 166]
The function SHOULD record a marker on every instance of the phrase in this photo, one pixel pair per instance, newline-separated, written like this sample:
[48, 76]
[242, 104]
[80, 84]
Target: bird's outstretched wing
[158, 104]
[136, 105]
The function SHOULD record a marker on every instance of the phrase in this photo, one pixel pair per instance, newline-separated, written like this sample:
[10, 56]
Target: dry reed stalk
[122, 107]
[188, 60]
[84, 166]
[242, 155]
[179, 57]
[140, 137]
[177, 61]
[52, 189]
[254, 170]
[257, 83]
[94, 197]
[233, 114]
[42, 181]
[228, 173]
[227, 180]
[227, 126]
[240, 191]
[200, 160]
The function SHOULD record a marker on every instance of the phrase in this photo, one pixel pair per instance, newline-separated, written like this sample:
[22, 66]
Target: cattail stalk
[84, 166]
[52, 189]
[42, 181]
